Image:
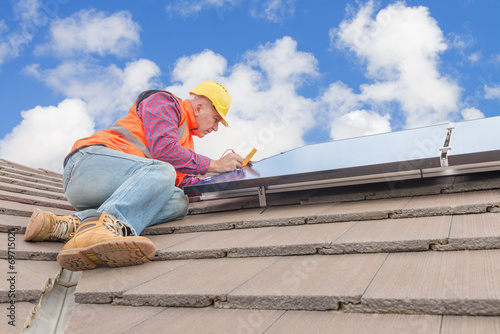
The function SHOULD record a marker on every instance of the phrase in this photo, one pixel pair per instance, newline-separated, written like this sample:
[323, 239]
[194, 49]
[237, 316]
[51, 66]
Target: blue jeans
[139, 192]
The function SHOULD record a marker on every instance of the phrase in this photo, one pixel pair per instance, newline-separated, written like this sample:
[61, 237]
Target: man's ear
[197, 109]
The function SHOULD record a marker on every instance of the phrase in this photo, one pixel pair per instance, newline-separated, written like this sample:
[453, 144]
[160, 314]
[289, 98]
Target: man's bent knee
[166, 171]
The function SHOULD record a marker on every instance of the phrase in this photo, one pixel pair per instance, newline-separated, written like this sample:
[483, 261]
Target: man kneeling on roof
[129, 176]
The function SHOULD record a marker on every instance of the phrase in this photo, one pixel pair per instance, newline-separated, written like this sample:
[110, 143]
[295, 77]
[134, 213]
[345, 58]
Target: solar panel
[475, 141]
[414, 153]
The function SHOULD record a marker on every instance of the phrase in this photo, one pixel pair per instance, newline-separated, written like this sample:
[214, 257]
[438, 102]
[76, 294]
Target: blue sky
[299, 72]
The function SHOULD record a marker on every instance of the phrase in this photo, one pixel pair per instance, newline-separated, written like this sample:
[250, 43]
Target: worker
[129, 176]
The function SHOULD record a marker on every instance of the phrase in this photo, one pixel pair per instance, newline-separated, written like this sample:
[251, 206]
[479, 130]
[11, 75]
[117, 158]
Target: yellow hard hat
[216, 93]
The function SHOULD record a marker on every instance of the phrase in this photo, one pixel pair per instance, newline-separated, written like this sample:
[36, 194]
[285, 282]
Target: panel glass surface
[481, 135]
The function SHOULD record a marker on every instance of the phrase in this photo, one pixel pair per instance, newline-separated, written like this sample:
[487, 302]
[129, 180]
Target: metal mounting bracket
[262, 197]
[446, 145]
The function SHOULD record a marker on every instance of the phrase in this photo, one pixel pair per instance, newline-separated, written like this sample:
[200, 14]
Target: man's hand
[227, 163]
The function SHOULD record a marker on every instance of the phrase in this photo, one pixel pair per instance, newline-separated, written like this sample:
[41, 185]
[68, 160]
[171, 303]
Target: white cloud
[474, 57]
[461, 41]
[3, 27]
[266, 111]
[359, 123]
[494, 59]
[492, 92]
[400, 48]
[108, 91]
[282, 62]
[191, 8]
[274, 10]
[463, 45]
[26, 16]
[92, 31]
[206, 64]
[271, 10]
[11, 45]
[339, 100]
[471, 113]
[26, 10]
[46, 134]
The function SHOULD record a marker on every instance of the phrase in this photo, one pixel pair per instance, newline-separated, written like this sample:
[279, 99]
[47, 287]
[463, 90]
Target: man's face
[207, 118]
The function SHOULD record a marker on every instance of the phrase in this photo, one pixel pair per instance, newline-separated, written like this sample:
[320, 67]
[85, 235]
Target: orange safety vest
[127, 134]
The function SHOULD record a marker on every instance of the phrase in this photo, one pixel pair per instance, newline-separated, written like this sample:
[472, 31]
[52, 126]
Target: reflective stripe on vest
[180, 132]
[131, 139]
[136, 142]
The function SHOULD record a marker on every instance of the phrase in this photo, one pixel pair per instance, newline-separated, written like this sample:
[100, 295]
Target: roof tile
[473, 232]
[461, 282]
[103, 285]
[210, 244]
[362, 210]
[293, 240]
[26, 210]
[41, 274]
[410, 234]
[198, 283]
[208, 321]
[467, 325]
[34, 200]
[205, 222]
[16, 223]
[298, 322]
[308, 282]
[31, 250]
[103, 318]
[457, 203]
[21, 316]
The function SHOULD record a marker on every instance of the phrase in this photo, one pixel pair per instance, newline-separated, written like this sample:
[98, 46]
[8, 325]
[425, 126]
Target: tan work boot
[46, 226]
[101, 242]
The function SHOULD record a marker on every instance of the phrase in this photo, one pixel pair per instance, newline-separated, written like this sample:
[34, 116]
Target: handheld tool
[248, 157]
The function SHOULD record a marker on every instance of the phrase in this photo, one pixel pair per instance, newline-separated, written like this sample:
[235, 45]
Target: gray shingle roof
[406, 257]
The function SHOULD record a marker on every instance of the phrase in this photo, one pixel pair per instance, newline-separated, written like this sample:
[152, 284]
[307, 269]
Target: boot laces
[63, 228]
[115, 226]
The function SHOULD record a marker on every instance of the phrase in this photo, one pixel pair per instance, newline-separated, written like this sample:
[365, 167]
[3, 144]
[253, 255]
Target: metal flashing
[56, 305]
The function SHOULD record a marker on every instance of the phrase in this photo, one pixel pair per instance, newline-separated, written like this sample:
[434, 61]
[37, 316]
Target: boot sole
[108, 254]
[33, 228]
